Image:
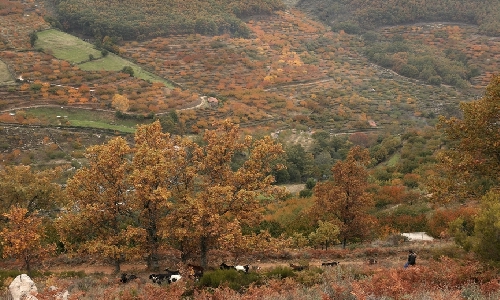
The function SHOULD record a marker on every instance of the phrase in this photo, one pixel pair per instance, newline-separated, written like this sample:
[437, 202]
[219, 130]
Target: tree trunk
[152, 239]
[344, 242]
[184, 254]
[204, 251]
[28, 266]
[117, 265]
[152, 259]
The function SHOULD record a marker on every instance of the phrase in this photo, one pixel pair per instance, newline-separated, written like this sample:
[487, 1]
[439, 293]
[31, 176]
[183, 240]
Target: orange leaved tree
[162, 172]
[470, 166]
[23, 237]
[344, 200]
[100, 220]
[31, 189]
[217, 195]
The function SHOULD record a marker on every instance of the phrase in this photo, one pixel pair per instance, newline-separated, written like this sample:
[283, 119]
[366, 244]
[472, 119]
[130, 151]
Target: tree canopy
[168, 192]
[470, 166]
[129, 19]
[344, 200]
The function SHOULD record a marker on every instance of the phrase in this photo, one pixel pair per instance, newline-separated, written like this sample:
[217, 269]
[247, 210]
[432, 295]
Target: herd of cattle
[196, 272]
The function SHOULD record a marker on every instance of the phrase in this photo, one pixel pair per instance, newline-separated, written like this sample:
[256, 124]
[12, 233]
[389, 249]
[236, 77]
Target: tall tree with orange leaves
[34, 190]
[23, 237]
[344, 200]
[100, 220]
[221, 197]
[162, 172]
[470, 166]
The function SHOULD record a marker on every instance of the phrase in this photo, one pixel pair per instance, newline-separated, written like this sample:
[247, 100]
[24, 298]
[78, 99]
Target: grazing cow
[126, 278]
[242, 268]
[197, 271]
[174, 278]
[332, 263]
[159, 278]
[223, 266]
[372, 261]
[176, 272]
[297, 268]
[152, 277]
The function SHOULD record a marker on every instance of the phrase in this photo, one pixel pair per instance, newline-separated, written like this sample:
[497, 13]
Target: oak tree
[100, 220]
[31, 189]
[162, 172]
[326, 234]
[219, 199]
[120, 103]
[23, 237]
[470, 166]
[345, 199]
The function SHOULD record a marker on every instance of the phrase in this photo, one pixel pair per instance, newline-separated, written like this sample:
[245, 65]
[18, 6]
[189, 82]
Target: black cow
[223, 266]
[297, 268]
[332, 263]
[126, 278]
[159, 278]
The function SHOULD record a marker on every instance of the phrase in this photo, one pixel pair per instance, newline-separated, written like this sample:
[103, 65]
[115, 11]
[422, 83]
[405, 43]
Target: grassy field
[113, 62]
[84, 118]
[65, 46]
[5, 76]
[394, 160]
[70, 48]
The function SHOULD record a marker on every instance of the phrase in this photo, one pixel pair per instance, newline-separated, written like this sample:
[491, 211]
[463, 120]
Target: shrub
[56, 154]
[280, 272]
[233, 279]
[305, 193]
[310, 276]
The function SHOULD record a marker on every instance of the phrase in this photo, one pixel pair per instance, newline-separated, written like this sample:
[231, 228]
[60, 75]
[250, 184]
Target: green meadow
[74, 50]
[83, 118]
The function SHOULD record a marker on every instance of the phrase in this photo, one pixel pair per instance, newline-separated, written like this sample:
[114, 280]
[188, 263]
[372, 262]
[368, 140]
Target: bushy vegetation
[136, 20]
[236, 280]
[361, 138]
[367, 13]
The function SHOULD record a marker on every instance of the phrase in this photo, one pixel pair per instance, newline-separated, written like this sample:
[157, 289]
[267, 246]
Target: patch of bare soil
[294, 188]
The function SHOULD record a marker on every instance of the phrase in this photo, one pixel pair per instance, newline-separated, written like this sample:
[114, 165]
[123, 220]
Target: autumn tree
[326, 234]
[27, 188]
[345, 200]
[120, 103]
[481, 234]
[100, 220]
[172, 123]
[162, 172]
[470, 166]
[23, 237]
[218, 199]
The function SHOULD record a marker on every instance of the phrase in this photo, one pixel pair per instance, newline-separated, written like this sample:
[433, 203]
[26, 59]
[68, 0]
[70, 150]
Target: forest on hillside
[139, 20]
[203, 201]
[357, 15]
[176, 182]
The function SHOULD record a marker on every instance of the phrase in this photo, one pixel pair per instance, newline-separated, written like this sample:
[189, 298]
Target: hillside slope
[374, 13]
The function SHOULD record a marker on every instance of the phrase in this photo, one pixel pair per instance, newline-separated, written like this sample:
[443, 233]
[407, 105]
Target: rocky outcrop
[22, 287]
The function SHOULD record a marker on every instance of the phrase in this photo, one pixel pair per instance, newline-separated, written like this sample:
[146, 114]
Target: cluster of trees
[171, 192]
[469, 170]
[406, 58]
[357, 15]
[132, 202]
[133, 20]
